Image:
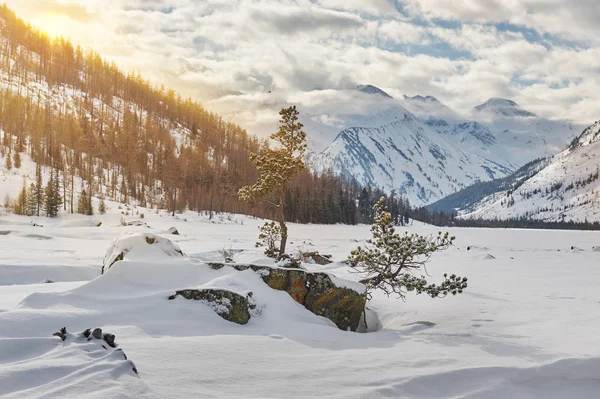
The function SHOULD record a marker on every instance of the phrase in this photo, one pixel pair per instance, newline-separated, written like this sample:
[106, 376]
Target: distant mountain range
[423, 149]
[563, 188]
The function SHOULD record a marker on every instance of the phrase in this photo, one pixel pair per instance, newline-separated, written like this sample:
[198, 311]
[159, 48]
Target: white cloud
[211, 49]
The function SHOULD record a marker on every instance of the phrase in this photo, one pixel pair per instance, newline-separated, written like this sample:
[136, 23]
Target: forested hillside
[83, 119]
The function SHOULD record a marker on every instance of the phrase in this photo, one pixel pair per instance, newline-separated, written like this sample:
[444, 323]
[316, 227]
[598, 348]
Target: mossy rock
[315, 291]
[229, 305]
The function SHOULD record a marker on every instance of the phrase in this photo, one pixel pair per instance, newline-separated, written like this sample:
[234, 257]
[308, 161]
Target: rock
[315, 291]
[99, 224]
[47, 281]
[317, 258]
[97, 333]
[173, 231]
[136, 245]
[287, 262]
[110, 339]
[62, 333]
[229, 305]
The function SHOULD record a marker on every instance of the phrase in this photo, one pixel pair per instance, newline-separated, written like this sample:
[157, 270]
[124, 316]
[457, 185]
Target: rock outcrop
[315, 291]
[229, 305]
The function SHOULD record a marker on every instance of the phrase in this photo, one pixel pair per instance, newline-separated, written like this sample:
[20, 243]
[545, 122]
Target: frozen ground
[528, 325]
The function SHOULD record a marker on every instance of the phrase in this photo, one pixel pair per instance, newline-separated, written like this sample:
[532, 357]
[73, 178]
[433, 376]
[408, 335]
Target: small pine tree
[31, 200]
[8, 162]
[20, 207]
[270, 234]
[102, 207]
[53, 200]
[82, 203]
[17, 160]
[390, 259]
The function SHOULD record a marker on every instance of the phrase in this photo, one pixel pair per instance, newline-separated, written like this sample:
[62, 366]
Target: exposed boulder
[173, 231]
[229, 305]
[315, 291]
[139, 246]
[317, 258]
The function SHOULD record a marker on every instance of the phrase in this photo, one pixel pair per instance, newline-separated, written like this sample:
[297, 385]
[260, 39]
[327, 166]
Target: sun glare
[53, 25]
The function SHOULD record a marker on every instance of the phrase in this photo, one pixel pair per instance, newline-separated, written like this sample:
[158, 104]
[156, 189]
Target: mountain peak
[504, 107]
[370, 89]
[422, 98]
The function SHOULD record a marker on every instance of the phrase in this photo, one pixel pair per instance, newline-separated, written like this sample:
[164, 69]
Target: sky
[244, 58]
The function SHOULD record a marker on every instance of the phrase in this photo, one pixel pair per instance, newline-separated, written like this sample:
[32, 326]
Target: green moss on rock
[229, 305]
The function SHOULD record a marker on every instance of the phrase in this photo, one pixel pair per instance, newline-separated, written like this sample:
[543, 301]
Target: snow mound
[489, 257]
[140, 247]
[77, 367]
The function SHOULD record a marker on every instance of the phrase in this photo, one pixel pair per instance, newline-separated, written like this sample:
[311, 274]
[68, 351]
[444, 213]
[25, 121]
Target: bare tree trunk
[281, 220]
[174, 202]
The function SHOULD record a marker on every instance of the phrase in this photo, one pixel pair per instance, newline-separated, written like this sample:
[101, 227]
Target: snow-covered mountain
[502, 107]
[565, 188]
[386, 141]
[370, 89]
[404, 154]
[498, 129]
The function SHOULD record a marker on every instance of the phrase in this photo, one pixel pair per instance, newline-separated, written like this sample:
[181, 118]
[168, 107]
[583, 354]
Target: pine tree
[17, 160]
[84, 205]
[20, 206]
[8, 162]
[389, 260]
[53, 200]
[278, 166]
[102, 207]
[82, 202]
[31, 200]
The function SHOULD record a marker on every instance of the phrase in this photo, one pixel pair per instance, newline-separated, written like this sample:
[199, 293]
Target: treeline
[443, 219]
[336, 200]
[80, 116]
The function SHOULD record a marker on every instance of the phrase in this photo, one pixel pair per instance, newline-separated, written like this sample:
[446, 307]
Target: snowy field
[528, 326]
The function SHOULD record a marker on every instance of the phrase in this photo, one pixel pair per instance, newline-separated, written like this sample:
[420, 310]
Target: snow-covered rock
[140, 246]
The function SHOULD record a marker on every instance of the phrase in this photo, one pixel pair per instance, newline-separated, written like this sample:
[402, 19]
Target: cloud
[230, 54]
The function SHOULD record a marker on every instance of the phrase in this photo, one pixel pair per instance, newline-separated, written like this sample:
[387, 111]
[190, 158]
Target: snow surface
[527, 326]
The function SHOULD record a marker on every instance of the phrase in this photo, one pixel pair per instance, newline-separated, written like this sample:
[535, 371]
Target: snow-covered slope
[566, 189]
[404, 154]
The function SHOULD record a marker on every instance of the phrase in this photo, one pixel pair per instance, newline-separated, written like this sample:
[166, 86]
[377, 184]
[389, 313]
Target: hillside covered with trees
[83, 119]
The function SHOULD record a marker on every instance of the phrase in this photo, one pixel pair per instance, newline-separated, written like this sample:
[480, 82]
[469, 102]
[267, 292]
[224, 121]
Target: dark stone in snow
[110, 339]
[227, 304]
[173, 231]
[62, 333]
[97, 333]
